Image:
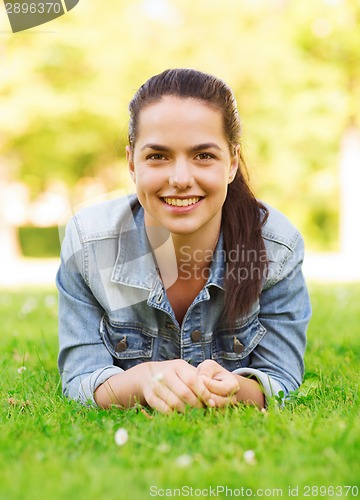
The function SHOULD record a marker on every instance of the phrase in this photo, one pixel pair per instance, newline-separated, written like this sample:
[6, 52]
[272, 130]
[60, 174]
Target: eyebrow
[193, 149]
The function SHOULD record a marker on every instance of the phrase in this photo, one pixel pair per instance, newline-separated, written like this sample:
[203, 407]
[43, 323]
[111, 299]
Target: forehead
[174, 115]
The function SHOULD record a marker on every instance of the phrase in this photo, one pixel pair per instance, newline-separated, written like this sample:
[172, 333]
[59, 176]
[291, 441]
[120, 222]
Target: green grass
[57, 449]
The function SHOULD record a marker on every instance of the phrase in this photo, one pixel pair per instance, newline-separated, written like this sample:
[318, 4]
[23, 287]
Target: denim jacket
[114, 312]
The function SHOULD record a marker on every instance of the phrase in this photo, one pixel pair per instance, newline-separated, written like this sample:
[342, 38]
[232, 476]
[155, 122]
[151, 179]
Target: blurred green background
[65, 88]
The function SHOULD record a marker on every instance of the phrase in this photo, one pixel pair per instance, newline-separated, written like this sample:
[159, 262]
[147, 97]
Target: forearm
[250, 392]
[122, 389]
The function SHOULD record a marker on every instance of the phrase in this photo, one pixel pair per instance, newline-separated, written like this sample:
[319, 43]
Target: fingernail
[211, 403]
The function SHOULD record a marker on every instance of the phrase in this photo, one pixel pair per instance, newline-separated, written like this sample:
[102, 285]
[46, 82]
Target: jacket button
[122, 345]
[238, 346]
[196, 335]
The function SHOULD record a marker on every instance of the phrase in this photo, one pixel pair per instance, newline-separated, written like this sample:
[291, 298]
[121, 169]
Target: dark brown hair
[242, 215]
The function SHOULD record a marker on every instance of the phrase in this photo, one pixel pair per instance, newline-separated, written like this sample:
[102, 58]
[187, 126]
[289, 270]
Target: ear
[130, 162]
[234, 165]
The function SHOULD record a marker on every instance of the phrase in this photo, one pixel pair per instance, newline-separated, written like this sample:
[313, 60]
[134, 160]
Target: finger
[197, 388]
[226, 387]
[202, 391]
[209, 367]
[171, 385]
[187, 395]
[159, 405]
[169, 397]
[221, 402]
[191, 390]
[156, 402]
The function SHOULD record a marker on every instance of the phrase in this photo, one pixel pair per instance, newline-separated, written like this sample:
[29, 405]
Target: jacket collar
[135, 263]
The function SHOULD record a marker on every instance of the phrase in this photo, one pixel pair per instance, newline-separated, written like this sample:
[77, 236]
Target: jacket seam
[85, 269]
[275, 239]
[284, 260]
[89, 239]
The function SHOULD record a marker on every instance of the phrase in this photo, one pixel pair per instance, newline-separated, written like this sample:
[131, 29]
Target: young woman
[189, 293]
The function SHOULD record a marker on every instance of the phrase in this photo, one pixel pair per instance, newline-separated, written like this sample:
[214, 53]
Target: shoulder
[97, 222]
[279, 230]
[284, 245]
[106, 219]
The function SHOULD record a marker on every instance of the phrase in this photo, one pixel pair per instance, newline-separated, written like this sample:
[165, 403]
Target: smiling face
[182, 165]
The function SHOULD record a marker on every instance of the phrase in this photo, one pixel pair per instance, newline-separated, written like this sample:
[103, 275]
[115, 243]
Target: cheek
[147, 181]
[217, 181]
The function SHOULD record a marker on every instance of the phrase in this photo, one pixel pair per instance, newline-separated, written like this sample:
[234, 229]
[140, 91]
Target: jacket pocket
[230, 348]
[128, 343]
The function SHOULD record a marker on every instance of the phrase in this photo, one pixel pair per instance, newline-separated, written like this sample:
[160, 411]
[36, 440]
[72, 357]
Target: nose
[181, 175]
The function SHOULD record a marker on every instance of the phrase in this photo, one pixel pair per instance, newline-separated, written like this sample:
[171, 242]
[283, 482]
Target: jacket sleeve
[285, 310]
[84, 362]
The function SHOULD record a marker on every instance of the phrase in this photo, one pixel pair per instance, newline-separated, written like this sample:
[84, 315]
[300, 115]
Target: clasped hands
[175, 384]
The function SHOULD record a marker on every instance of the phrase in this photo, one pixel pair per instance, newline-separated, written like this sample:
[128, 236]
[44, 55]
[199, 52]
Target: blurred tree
[329, 37]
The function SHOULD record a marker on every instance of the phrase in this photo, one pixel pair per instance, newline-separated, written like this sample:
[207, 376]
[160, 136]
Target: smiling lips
[181, 202]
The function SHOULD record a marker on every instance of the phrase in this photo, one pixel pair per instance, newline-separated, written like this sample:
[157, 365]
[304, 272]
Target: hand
[222, 384]
[173, 384]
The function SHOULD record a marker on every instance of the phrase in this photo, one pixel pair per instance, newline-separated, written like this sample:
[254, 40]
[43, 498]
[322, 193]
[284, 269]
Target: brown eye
[205, 156]
[156, 157]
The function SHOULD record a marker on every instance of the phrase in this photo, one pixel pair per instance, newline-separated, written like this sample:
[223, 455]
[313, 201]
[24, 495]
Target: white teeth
[177, 202]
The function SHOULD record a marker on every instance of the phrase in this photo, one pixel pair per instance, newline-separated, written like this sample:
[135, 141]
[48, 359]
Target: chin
[183, 231]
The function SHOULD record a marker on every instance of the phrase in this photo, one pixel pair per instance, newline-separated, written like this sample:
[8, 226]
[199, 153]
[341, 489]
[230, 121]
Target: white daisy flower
[163, 448]
[121, 436]
[249, 457]
[183, 461]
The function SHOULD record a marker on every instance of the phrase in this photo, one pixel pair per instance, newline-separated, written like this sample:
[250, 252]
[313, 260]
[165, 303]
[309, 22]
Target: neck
[194, 249]
[181, 255]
